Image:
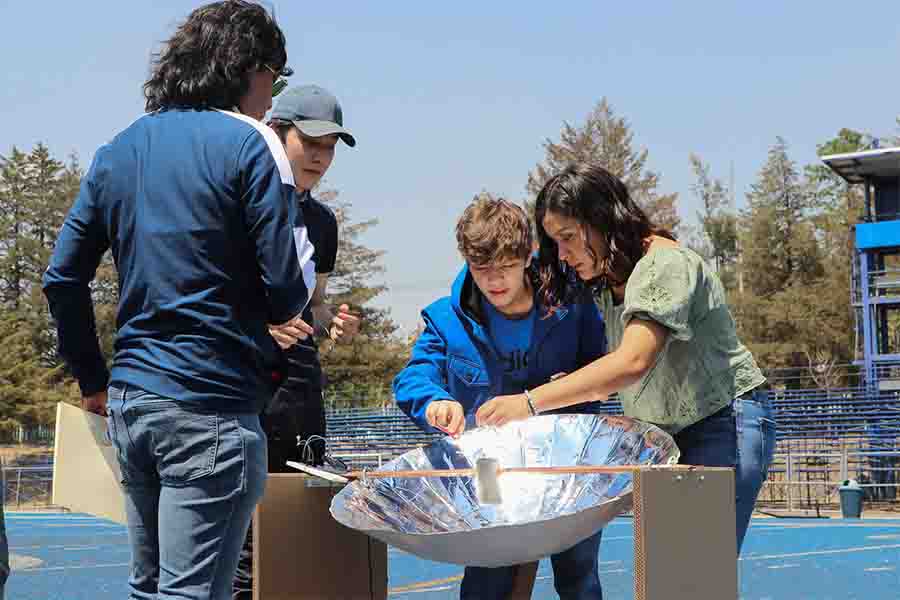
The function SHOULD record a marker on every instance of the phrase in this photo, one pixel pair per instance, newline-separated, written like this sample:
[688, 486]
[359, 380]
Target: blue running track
[60, 556]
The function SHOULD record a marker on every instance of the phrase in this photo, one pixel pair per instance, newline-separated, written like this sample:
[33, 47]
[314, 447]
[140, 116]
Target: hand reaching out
[344, 325]
[446, 415]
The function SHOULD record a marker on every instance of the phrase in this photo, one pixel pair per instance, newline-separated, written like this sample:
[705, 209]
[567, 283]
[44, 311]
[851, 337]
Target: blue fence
[808, 414]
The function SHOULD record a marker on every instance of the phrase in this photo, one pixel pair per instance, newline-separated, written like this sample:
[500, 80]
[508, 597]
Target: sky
[449, 99]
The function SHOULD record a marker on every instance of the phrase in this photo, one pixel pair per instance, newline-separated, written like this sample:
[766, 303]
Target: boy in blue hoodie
[492, 337]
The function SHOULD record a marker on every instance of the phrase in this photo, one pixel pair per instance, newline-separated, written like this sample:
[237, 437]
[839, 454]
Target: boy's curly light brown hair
[492, 229]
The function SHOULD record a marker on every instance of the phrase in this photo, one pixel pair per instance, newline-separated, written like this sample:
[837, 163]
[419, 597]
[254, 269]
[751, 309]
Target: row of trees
[784, 259]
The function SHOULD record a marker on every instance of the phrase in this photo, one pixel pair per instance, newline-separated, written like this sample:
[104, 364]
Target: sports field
[59, 556]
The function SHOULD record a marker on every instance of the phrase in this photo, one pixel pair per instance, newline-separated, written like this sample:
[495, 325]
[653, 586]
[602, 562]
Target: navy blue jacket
[454, 358]
[198, 208]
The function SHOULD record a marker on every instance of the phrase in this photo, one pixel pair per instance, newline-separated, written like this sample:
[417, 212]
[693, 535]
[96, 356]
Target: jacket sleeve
[66, 283]
[275, 224]
[424, 379]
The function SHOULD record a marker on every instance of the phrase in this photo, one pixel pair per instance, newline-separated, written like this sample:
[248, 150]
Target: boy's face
[310, 157]
[502, 282]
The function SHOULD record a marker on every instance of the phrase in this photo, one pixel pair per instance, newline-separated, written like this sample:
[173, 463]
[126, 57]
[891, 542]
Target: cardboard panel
[302, 552]
[684, 534]
[86, 472]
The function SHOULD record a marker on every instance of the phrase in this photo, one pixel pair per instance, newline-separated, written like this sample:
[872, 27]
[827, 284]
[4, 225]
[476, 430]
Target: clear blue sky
[447, 99]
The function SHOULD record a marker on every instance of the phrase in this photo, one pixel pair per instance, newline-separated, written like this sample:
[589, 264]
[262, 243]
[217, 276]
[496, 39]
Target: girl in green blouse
[675, 359]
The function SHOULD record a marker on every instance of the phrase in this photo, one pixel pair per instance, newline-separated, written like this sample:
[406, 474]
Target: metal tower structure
[876, 265]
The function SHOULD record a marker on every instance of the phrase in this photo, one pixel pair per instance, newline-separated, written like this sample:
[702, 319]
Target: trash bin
[851, 499]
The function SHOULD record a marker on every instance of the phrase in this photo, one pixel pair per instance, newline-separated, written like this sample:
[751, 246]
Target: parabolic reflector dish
[440, 518]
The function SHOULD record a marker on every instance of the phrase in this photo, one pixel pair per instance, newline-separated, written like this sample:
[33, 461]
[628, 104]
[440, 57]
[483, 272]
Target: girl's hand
[503, 409]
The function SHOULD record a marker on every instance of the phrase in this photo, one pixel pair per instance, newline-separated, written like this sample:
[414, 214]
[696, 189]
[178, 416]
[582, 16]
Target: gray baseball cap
[313, 110]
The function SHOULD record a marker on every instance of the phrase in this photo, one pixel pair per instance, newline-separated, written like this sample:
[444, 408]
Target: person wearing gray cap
[314, 111]
[309, 121]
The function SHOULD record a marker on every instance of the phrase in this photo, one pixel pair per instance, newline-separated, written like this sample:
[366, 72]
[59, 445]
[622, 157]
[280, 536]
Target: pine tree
[14, 184]
[838, 206]
[607, 140]
[778, 240]
[360, 372]
[791, 312]
[36, 192]
[29, 389]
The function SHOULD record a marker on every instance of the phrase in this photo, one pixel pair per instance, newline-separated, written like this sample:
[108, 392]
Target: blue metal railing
[839, 413]
[808, 414]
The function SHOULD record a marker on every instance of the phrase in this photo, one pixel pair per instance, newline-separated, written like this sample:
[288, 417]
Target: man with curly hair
[196, 202]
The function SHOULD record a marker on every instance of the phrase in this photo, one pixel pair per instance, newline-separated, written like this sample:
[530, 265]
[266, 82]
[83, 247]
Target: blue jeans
[741, 436]
[192, 479]
[575, 575]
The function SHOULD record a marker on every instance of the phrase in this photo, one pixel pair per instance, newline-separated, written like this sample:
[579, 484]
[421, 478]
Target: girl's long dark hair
[208, 61]
[601, 204]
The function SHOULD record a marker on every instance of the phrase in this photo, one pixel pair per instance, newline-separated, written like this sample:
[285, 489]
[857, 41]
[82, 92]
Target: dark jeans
[296, 410]
[192, 479]
[575, 575]
[741, 436]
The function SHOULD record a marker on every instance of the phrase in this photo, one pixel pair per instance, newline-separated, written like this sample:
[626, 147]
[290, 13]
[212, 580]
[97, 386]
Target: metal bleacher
[806, 414]
[369, 436]
[828, 436]
[832, 415]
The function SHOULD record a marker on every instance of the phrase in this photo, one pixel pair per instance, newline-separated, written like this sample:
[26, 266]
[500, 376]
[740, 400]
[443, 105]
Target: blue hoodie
[455, 359]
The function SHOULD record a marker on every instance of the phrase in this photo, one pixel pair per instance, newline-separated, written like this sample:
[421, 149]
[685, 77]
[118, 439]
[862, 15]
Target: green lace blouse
[703, 365]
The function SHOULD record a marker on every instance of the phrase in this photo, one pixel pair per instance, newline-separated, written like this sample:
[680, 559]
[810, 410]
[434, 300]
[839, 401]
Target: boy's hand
[288, 334]
[344, 326]
[446, 415]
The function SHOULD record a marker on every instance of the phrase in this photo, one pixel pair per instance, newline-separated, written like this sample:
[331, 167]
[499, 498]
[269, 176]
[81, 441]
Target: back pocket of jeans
[185, 444]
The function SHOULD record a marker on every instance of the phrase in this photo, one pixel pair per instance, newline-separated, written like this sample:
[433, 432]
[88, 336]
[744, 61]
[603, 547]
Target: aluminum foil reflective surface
[440, 518]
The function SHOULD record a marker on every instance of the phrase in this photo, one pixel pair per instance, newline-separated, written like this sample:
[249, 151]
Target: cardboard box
[684, 534]
[302, 552]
